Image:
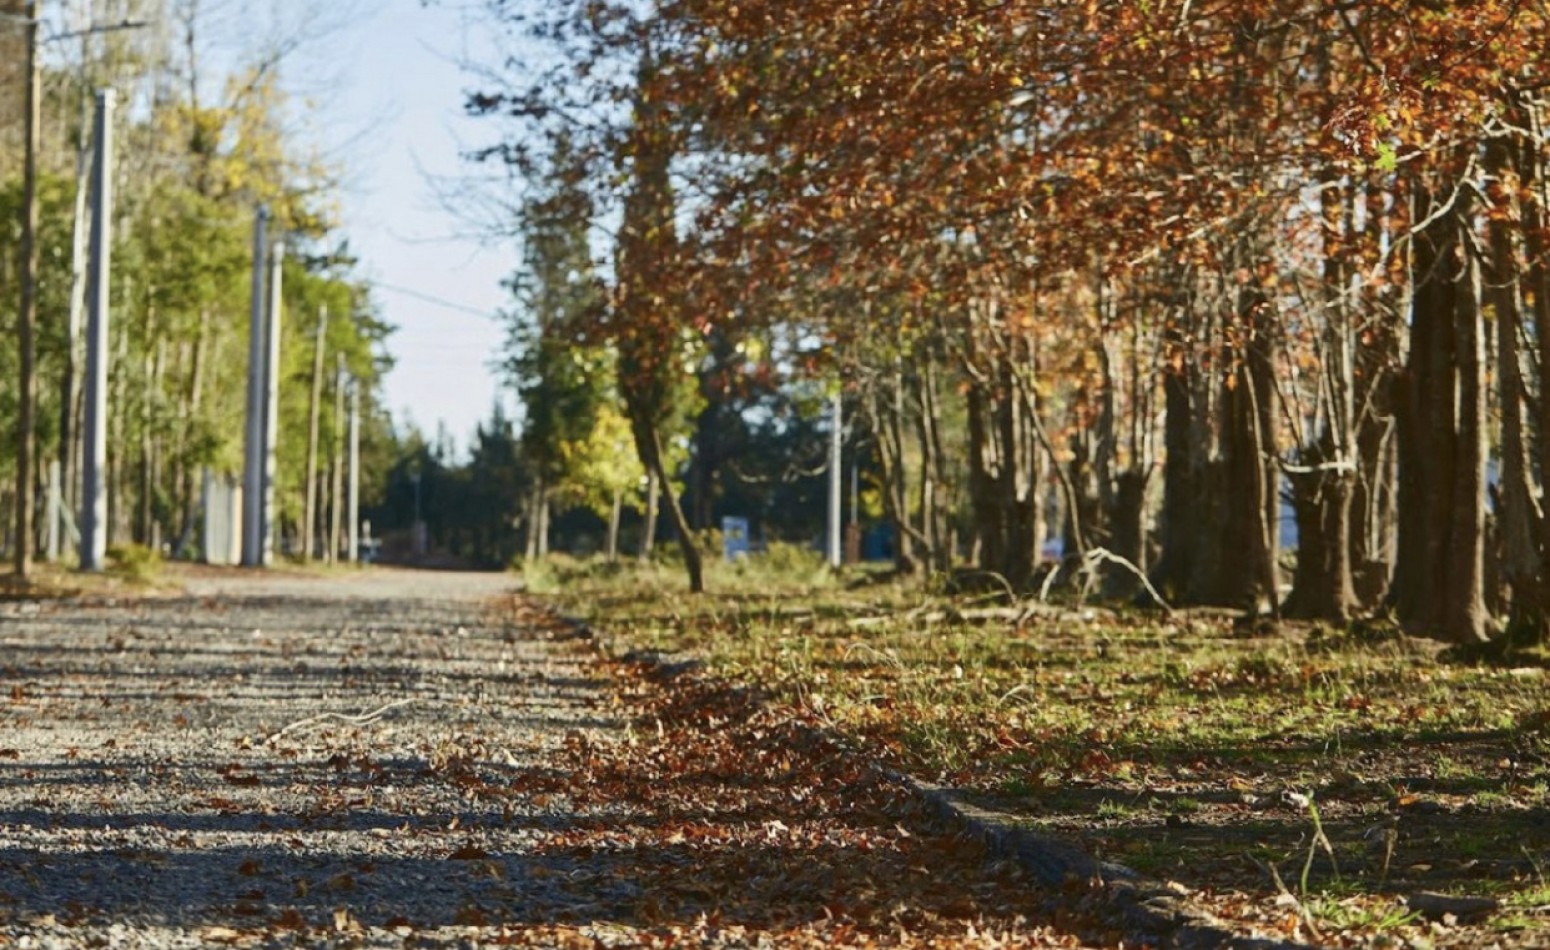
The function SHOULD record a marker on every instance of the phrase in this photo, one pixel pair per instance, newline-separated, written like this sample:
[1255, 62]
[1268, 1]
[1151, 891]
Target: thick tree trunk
[1178, 519]
[1520, 514]
[1438, 577]
[984, 465]
[1531, 173]
[1247, 576]
[1322, 585]
[884, 408]
[1465, 617]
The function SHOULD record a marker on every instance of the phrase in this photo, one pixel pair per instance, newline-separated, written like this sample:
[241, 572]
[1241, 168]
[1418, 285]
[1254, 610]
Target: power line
[436, 301]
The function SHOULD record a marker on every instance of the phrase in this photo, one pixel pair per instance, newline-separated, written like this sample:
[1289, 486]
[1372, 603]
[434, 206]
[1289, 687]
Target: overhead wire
[434, 300]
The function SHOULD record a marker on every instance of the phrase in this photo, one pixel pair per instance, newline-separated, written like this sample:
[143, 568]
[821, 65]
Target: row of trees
[199, 150]
[1170, 263]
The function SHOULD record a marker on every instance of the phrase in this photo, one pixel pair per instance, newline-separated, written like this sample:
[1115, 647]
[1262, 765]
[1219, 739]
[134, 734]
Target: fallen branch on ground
[364, 719]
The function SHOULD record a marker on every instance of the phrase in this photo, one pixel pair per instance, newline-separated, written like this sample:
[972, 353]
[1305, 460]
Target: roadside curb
[1149, 910]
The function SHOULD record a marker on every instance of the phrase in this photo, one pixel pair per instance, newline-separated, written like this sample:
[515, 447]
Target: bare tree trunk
[1322, 584]
[648, 442]
[535, 520]
[648, 535]
[615, 515]
[545, 509]
[193, 402]
[1175, 565]
[1248, 576]
[1520, 515]
[1466, 618]
[1438, 578]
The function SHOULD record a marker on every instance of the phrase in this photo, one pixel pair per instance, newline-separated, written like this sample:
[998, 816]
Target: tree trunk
[1322, 584]
[1177, 521]
[1438, 583]
[648, 443]
[533, 545]
[1466, 618]
[545, 508]
[1521, 517]
[615, 514]
[1248, 573]
[648, 534]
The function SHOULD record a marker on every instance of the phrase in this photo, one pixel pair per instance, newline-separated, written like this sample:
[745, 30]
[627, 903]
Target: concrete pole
[354, 505]
[836, 479]
[272, 400]
[26, 316]
[70, 382]
[310, 509]
[253, 441]
[336, 465]
[94, 446]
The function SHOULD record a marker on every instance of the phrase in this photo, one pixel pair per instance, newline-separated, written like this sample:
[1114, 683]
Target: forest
[1234, 304]
[1167, 282]
[206, 134]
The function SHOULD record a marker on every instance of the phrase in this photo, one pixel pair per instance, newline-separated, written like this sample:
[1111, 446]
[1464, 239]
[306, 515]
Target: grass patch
[134, 563]
[1179, 745]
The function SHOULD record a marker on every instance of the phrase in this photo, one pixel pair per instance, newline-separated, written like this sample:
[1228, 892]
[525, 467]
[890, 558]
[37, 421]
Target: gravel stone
[275, 759]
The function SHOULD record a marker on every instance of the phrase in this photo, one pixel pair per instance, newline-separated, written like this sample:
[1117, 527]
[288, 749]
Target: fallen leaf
[220, 934]
[290, 919]
[468, 852]
[344, 923]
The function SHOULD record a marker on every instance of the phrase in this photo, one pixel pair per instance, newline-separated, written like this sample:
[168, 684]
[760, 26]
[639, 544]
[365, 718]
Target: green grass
[1131, 720]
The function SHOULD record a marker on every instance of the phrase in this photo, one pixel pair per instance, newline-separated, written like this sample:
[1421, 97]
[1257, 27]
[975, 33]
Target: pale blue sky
[396, 120]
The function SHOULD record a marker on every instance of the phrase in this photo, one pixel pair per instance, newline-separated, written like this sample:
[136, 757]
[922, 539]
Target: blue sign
[734, 538]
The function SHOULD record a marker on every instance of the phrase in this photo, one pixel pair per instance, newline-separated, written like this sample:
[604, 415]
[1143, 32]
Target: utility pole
[26, 317]
[272, 400]
[94, 460]
[336, 489]
[253, 442]
[310, 509]
[836, 478]
[354, 505]
[70, 380]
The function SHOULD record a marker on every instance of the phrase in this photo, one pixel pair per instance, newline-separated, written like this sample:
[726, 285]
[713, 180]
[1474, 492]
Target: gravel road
[270, 760]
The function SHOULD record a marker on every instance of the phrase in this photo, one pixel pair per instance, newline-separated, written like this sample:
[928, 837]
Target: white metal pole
[354, 505]
[836, 478]
[94, 461]
[253, 442]
[272, 401]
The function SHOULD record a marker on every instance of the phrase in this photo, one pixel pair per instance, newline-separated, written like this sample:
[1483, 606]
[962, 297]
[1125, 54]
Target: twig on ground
[1285, 896]
[364, 719]
[1098, 556]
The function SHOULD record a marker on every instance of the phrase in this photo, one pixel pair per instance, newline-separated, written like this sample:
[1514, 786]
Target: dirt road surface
[281, 754]
[394, 758]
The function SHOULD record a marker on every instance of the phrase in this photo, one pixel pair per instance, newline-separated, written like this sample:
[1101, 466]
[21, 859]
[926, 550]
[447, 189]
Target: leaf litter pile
[753, 827]
[1332, 787]
[394, 765]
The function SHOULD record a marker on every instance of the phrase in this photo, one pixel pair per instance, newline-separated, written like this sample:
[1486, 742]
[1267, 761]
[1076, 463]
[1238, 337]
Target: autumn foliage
[1147, 277]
